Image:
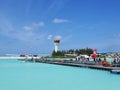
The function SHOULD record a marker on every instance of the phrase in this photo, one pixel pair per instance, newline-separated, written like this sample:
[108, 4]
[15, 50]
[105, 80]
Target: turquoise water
[19, 75]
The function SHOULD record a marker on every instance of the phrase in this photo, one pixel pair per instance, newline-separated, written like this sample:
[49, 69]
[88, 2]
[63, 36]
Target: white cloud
[57, 37]
[7, 29]
[34, 25]
[40, 24]
[117, 35]
[28, 27]
[50, 37]
[56, 20]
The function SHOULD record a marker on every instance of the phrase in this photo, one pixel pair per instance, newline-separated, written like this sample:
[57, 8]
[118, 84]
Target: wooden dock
[113, 70]
[85, 66]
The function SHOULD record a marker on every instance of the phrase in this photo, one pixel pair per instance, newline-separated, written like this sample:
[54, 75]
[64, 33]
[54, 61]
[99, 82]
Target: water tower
[56, 43]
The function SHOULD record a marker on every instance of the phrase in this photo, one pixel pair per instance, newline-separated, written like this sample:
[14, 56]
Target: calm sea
[19, 75]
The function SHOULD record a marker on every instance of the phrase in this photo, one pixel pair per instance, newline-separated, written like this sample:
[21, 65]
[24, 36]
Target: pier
[74, 63]
[90, 64]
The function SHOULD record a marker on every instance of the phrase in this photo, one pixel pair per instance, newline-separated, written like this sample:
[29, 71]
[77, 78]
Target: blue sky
[30, 26]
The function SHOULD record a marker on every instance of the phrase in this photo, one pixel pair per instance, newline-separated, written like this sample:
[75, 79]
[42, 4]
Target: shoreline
[17, 57]
[73, 63]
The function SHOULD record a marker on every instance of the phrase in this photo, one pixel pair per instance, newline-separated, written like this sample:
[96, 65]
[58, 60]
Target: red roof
[57, 41]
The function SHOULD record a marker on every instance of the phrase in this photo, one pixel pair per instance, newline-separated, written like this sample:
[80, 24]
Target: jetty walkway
[74, 63]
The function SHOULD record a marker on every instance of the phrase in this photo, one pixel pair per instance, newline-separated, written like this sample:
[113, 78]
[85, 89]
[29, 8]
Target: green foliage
[87, 51]
[59, 53]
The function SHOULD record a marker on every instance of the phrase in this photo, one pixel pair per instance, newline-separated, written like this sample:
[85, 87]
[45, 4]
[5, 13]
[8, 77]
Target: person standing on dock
[94, 55]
